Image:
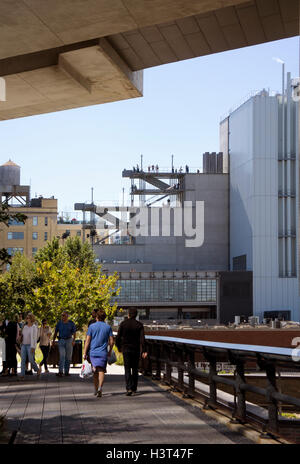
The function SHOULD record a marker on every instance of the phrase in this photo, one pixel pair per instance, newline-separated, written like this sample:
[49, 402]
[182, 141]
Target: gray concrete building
[177, 267]
[164, 253]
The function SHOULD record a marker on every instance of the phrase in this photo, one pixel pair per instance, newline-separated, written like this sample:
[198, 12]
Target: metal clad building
[263, 193]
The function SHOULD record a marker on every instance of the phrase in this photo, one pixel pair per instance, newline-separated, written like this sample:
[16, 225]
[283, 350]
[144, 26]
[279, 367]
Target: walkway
[64, 410]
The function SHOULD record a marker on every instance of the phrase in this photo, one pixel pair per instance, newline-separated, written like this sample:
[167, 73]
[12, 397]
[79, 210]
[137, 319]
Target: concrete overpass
[62, 54]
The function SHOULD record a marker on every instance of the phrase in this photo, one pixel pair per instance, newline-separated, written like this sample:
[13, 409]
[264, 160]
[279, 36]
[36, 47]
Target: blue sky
[66, 153]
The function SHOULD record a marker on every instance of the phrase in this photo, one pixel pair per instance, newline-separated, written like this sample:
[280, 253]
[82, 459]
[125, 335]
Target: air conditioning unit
[253, 320]
[237, 320]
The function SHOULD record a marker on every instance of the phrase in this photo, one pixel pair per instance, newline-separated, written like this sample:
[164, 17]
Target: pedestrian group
[21, 336]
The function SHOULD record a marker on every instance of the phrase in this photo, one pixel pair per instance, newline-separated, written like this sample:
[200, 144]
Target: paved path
[64, 410]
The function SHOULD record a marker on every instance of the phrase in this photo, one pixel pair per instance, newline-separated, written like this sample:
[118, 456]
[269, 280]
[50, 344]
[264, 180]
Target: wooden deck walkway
[64, 410]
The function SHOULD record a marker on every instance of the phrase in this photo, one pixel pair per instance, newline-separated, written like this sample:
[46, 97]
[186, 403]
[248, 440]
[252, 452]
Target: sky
[67, 153]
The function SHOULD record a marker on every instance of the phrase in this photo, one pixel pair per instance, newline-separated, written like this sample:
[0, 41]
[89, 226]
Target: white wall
[254, 203]
[241, 175]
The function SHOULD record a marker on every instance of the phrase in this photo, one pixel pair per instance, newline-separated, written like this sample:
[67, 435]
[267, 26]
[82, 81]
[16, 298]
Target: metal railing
[168, 353]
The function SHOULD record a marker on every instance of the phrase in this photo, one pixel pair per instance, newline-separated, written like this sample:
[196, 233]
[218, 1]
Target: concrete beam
[32, 25]
[62, 54]
[87, 76]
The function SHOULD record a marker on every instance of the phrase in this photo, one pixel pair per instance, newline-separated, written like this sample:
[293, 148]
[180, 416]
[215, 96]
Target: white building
[262, 147]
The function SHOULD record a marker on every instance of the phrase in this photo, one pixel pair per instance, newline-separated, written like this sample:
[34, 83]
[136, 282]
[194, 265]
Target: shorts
[99, 363]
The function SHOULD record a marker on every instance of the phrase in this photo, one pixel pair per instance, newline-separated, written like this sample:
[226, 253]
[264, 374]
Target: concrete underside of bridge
[62, 54]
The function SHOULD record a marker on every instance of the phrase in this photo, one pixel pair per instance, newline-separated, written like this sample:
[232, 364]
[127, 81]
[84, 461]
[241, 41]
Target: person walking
[99, 336]
[130, 341]
[66, 331]
[91, 321]
[2, 345]
[45, 334]
[28, 345]
[11, 332]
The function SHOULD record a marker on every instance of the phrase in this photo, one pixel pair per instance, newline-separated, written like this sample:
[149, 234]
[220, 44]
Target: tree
[16, 286]
[79, 254]
[5, 217]
[62, 278]
[75, 290]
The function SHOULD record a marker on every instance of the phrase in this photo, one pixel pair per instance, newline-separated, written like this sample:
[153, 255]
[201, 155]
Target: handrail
[229, 346]
[168, 353]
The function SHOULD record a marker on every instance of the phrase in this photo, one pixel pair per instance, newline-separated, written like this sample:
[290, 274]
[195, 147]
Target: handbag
[112, 358]
[86, 370]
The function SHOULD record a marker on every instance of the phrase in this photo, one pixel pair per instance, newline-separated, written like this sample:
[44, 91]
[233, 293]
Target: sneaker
[67, 375]
[128, 393]
[59, 374]
[29, 372]
[99, 394]
[39, 372]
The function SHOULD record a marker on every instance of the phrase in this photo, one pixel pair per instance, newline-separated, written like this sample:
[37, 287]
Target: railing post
[157, 361]
[180, 358]
[272, 403]
[147, 363]
[212, 401]
[212, 383]
[168, 375]
[240, 414]
[191, 365]
[270, 368]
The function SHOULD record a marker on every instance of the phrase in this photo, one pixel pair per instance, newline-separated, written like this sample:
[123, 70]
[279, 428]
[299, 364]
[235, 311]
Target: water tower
[10, 188]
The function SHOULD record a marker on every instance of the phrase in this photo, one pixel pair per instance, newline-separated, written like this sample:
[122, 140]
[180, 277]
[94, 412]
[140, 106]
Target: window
[14, 250]
[46, 236]
[34, 251]
[202, 290]
[15, 235]
[34, 235]
[35, 221]
[46, 221]
[14, 222]
[78, 233]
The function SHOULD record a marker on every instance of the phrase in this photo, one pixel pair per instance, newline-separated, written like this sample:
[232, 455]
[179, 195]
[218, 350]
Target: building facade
[262, 142]
[39, 227]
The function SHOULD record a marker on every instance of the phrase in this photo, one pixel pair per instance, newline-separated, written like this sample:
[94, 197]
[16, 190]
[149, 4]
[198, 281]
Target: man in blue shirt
[66, 331]
[99, 335]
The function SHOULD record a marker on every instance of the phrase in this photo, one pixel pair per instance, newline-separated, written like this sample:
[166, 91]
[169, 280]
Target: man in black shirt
[130, 341]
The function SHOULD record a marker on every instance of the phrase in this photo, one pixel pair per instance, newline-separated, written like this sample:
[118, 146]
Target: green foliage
[79, 254]
[71, 289]
[52, 252]
[62, 278]
[16, 286]
[5, 217]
